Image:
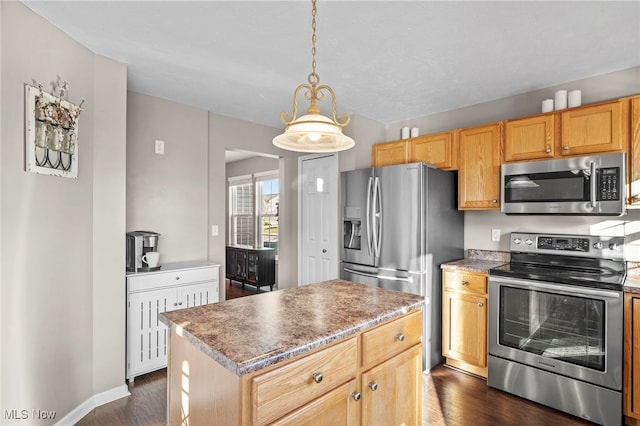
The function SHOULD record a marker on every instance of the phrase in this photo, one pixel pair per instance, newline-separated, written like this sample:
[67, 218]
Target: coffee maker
[138, 244]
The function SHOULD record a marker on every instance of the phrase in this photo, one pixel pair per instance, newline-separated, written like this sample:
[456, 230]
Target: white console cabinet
[175, 286]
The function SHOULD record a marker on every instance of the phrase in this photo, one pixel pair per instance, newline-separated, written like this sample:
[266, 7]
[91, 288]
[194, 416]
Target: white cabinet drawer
[171, 278]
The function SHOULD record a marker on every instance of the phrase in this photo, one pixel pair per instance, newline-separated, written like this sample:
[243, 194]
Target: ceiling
[386, 60]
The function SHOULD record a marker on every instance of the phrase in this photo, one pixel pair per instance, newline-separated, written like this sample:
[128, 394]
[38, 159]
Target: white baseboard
[95, 401]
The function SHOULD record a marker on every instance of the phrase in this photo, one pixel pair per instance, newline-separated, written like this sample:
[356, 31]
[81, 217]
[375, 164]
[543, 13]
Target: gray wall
[478, 224]
[168, 193]
[61, 281]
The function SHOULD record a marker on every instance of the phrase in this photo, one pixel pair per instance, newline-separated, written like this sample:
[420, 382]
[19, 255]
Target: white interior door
[318, 218]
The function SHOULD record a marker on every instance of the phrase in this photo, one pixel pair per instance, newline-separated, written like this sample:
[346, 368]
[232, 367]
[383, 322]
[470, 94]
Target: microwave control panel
[609, 184]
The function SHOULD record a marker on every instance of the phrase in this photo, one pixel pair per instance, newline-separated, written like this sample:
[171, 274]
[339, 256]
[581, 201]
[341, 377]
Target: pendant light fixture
[313, 132]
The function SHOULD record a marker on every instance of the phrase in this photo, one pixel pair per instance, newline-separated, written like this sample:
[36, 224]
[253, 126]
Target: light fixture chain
[313, 77]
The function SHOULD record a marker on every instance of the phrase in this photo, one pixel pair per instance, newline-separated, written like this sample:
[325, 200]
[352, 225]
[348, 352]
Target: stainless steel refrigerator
[400, 223]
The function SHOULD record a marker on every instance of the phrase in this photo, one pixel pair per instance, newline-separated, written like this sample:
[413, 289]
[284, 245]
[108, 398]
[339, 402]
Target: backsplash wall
[478, 226]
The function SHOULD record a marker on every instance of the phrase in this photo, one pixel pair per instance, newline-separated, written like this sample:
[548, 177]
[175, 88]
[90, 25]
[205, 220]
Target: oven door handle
[594, 185]
[568, 289]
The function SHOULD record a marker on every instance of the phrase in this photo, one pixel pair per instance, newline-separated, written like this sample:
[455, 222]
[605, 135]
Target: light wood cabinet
[439, 149]
[633, 158]
[374, 377]
[464, 321]
[631, 368]
[391, 395]
[479, 167]
[531, 138]
[595, 129]
[390, 153]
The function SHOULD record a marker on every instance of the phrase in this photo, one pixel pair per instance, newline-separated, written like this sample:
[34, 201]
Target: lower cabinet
[254, 266]
[464, 321]
[372, 378]
[631, 393]
[149, 294]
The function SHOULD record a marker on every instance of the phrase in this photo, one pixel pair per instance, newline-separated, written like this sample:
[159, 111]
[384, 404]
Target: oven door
[569, 330]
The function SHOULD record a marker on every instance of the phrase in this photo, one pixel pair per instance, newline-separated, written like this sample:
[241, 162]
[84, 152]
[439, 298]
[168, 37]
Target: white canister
[414, 132]
[404, 133]
[561, 99]
[575, 98]
[547, 105]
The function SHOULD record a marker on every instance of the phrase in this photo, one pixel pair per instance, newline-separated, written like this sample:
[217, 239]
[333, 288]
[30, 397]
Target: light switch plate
[214, 230]
[159, 147]
[495, 235]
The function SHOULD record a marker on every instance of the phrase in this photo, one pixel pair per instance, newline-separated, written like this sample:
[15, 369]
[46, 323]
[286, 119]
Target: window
[254, 202]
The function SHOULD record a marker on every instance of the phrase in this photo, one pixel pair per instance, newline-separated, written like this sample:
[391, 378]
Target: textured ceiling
[386, 60]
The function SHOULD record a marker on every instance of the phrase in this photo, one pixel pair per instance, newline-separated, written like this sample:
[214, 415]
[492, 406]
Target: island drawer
[154, 280]
[465, 281]
[390, 339]
[284, 389]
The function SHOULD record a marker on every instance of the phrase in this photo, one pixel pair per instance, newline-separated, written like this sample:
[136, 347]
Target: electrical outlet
[214, 230]
[495, 235]
[159, 147]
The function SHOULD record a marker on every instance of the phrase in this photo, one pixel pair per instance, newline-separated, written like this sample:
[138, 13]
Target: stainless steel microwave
[592, 185]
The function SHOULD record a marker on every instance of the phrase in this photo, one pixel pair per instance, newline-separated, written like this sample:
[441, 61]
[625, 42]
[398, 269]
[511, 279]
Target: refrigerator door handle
[377, 215]
[382, 277]
[369, 216]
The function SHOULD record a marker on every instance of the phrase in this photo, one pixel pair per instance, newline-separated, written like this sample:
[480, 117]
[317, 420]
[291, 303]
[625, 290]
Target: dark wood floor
[450, 398]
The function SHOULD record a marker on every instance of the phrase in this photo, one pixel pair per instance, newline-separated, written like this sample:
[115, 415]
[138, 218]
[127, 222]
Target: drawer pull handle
[400, 337]
[480, 304]
[356, 396]
[463, 282]
[373, 386]
[317, 377]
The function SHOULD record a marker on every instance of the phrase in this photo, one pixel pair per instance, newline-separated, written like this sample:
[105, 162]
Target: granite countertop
[478, 261]
[250, 333]
[632, 282]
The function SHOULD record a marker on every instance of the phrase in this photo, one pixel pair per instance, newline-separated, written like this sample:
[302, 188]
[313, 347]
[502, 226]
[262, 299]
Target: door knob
[373, 386]
[356, 396]
[317, 377]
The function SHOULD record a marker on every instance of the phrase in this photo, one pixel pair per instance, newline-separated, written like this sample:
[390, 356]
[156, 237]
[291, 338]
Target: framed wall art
[51, 133]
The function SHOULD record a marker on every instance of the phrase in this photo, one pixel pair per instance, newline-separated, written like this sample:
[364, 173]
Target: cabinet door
[146, 336]
[464, 328]
[392, 392]
[479, 168]
[632, 355]
[596, 129]
[389, 153]
[439, 149]
[197, 294]
[633, 158]
[529, 138]
[339, 407]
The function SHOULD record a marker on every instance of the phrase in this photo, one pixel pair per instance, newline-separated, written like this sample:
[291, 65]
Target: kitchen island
[335, 352]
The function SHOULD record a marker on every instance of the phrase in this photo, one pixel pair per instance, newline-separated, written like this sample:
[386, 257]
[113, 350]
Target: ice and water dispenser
[351, 228]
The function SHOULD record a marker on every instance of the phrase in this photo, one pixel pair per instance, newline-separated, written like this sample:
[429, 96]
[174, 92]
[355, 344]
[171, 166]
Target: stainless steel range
[555, 323]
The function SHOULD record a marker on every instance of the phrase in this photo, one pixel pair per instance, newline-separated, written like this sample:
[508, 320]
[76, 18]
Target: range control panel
[563, 243]
[595, 246]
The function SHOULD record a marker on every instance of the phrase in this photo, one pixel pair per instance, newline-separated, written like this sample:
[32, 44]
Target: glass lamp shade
[313, 133]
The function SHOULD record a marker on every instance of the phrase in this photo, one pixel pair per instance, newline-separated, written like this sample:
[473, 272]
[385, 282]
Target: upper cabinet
[633, 159]
[390, 153]
[531, 138]
[439, 149]
[479, 167]
[595, 129]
